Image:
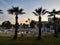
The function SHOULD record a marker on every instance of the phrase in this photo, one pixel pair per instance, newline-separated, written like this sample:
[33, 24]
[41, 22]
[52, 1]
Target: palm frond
[36, 10]
[49, 12]
[21, 10]
[15, 9]
[35, 13]
[22, 13]
[10, 11]
[58, 12]
[44, 10]
[39, 10]
[1, 11]
[50, 15]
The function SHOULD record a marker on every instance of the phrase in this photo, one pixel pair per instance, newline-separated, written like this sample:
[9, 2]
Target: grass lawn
[46, 40]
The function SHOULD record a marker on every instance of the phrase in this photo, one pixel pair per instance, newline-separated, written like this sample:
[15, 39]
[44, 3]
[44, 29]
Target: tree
[16, 11]
[29, 21]
[32, 24]
[24, 25]
[53, 13]
[6, 24]
[39, 12]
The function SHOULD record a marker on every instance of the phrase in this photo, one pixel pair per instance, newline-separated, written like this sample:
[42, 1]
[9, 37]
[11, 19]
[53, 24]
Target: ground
[46, 40]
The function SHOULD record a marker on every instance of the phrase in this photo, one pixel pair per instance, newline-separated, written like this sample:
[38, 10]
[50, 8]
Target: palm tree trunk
[16, 27]
[55, 31]
[29, 21]
[39, 35]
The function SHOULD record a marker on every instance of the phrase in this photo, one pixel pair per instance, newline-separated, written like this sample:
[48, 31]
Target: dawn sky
[29, 6]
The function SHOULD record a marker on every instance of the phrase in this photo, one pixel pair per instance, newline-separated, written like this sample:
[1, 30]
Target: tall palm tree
[39, 12]
[16, 11]
[53, 13]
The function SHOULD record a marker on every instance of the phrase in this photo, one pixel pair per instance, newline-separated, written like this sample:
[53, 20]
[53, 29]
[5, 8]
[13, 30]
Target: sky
[29, 6]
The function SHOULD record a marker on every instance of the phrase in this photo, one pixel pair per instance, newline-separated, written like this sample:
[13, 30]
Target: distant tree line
[8, 25]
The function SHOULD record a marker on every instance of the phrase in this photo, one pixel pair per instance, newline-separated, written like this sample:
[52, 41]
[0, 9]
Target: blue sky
[29, 6]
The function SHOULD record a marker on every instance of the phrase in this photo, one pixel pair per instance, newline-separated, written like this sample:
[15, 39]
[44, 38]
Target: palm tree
[39, 12]
[53, 13]
[29, 21]
[16, 11]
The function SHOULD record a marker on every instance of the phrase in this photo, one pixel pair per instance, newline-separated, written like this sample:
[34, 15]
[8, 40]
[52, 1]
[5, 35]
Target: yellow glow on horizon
[23, 21]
